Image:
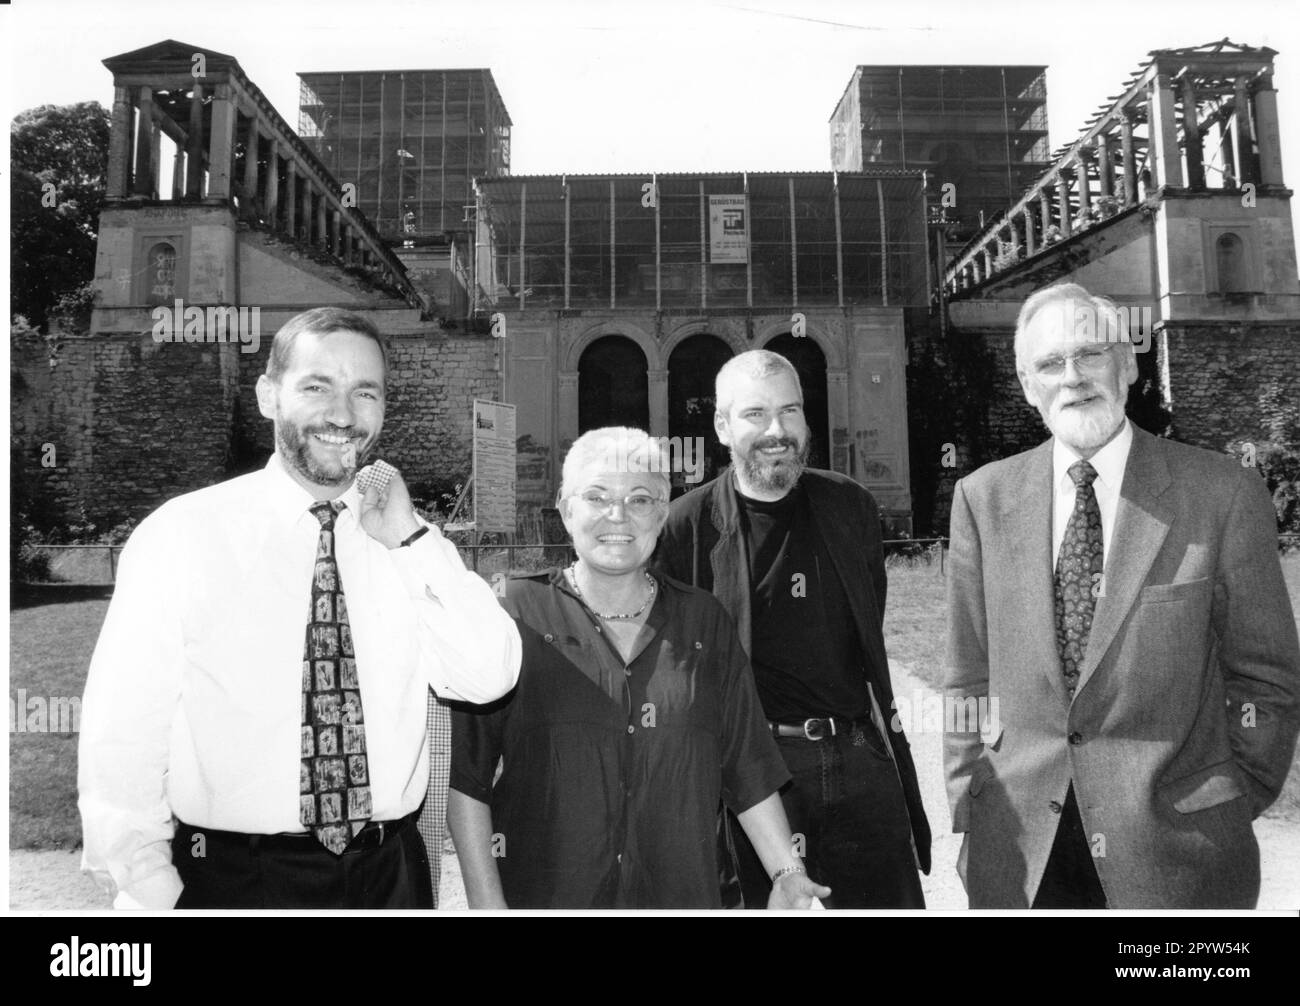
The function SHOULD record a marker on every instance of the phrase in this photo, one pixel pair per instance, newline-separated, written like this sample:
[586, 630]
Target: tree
[59, 156]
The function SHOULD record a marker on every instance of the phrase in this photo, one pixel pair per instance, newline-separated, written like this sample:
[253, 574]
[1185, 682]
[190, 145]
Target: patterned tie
[334, 782]
[1078, 574]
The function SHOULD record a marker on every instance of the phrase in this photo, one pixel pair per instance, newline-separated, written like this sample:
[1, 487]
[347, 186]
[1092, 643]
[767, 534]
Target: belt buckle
[807, 728]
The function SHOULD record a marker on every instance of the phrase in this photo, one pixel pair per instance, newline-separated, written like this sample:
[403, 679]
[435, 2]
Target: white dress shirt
[193, 699]
[1109, 463]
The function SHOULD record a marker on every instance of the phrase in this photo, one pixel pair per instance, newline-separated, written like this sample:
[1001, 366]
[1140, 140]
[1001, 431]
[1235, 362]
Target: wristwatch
[422, 530]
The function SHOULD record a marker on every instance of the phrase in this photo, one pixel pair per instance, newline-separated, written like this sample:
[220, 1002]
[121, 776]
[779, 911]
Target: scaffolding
[410, 141]
[981, 128]
[648, 242]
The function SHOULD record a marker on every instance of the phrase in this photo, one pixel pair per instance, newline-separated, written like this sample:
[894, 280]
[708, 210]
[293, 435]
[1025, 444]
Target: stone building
[586, 300]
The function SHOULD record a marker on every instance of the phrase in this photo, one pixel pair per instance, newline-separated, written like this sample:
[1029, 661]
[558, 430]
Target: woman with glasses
[635, 713]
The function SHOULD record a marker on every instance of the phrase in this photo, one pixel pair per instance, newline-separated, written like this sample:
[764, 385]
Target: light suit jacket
[1183, 724]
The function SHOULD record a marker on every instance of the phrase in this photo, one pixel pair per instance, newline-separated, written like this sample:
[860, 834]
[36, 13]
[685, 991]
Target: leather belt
[372, 836]
[817, 728]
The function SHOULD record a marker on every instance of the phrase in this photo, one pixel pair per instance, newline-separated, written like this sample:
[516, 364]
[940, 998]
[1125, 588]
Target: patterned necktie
[1078, 574]
[334, 781]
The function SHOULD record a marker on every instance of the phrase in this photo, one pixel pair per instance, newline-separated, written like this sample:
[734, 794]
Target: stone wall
[432, 384]
[1228, 379]
[134, 422]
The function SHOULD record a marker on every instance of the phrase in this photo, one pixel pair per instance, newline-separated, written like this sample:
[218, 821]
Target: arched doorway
[691, 369]
[612, 387]
[810, 363]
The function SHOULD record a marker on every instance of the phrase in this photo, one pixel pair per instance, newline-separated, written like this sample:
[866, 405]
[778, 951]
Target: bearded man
[253, 731]
[1120, 597]
[795, 556]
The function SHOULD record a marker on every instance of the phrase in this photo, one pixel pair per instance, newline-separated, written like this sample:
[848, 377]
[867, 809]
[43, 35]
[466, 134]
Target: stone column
[335, 247]
[1165, 155]
[1105, 168]
[1063, 203]
[1126, 154]
[252, 150]
[568, 417]
[1192, 135]
[657, 385]
[194, 146]
[1029, 233]
[321, 236]
[178, 174]
[119, 146]
[837, 414]
[1230, 177]
[221, 145]
[1267, 133]
[1242, 131]
[1044, 211]
[273, 184]
[291, 200]
[144, 148]
[1084, 186]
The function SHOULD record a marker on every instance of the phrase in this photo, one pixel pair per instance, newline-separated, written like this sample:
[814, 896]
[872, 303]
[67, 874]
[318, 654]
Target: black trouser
[1070, 879]
[223, 869]
[846, 801]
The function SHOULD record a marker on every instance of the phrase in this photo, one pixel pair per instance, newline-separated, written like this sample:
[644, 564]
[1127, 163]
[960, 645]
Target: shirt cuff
[430, 566]
[157, 893]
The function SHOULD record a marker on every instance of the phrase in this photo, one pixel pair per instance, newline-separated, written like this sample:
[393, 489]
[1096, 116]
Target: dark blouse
[612, 772]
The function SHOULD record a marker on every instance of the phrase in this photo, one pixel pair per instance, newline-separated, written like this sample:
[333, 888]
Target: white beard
[1087, 429]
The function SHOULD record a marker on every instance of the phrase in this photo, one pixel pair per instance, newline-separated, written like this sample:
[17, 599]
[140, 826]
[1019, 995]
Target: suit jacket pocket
[1205, 788]
[1161, 592]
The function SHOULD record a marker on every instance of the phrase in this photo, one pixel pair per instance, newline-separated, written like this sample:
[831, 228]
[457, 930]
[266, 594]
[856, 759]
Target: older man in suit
[1120, 598]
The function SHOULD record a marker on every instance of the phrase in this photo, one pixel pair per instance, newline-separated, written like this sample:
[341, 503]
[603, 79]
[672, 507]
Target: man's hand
[387, 514]
[795, 890]
[961, 858]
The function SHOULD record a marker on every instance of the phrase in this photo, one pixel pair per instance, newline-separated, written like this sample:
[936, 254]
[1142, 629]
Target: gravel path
[51, 881]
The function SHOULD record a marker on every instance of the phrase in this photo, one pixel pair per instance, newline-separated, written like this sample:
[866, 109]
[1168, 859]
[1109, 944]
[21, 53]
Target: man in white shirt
[254, 722]
[1118, 600]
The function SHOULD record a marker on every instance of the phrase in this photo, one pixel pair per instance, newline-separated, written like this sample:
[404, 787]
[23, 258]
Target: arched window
[691, 369]
[612, 387]
[160, 274]
[810, 363]
[1230, 260]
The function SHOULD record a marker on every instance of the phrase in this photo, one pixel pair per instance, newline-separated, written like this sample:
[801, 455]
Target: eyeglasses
[1090, 360]
[638, 504]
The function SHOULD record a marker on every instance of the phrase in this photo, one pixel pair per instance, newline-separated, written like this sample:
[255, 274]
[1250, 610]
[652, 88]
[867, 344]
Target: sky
[649, 85]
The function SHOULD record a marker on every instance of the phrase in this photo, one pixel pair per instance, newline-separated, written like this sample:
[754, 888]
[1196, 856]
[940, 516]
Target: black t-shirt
[805, 652]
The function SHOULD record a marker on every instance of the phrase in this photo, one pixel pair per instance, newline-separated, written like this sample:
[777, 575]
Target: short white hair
[1105, 310]
[616, 449]
[756, 364]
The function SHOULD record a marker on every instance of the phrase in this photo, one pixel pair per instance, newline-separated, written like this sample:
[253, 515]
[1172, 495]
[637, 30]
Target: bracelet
[423, 530]
[785, 871]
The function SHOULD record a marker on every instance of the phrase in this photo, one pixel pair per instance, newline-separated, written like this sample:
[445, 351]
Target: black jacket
[703, 544]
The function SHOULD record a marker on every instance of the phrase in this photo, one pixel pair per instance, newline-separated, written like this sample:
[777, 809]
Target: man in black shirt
[795, 555]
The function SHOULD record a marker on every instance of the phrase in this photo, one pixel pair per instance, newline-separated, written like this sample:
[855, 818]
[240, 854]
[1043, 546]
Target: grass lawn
[49, 650]
[51, 643]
